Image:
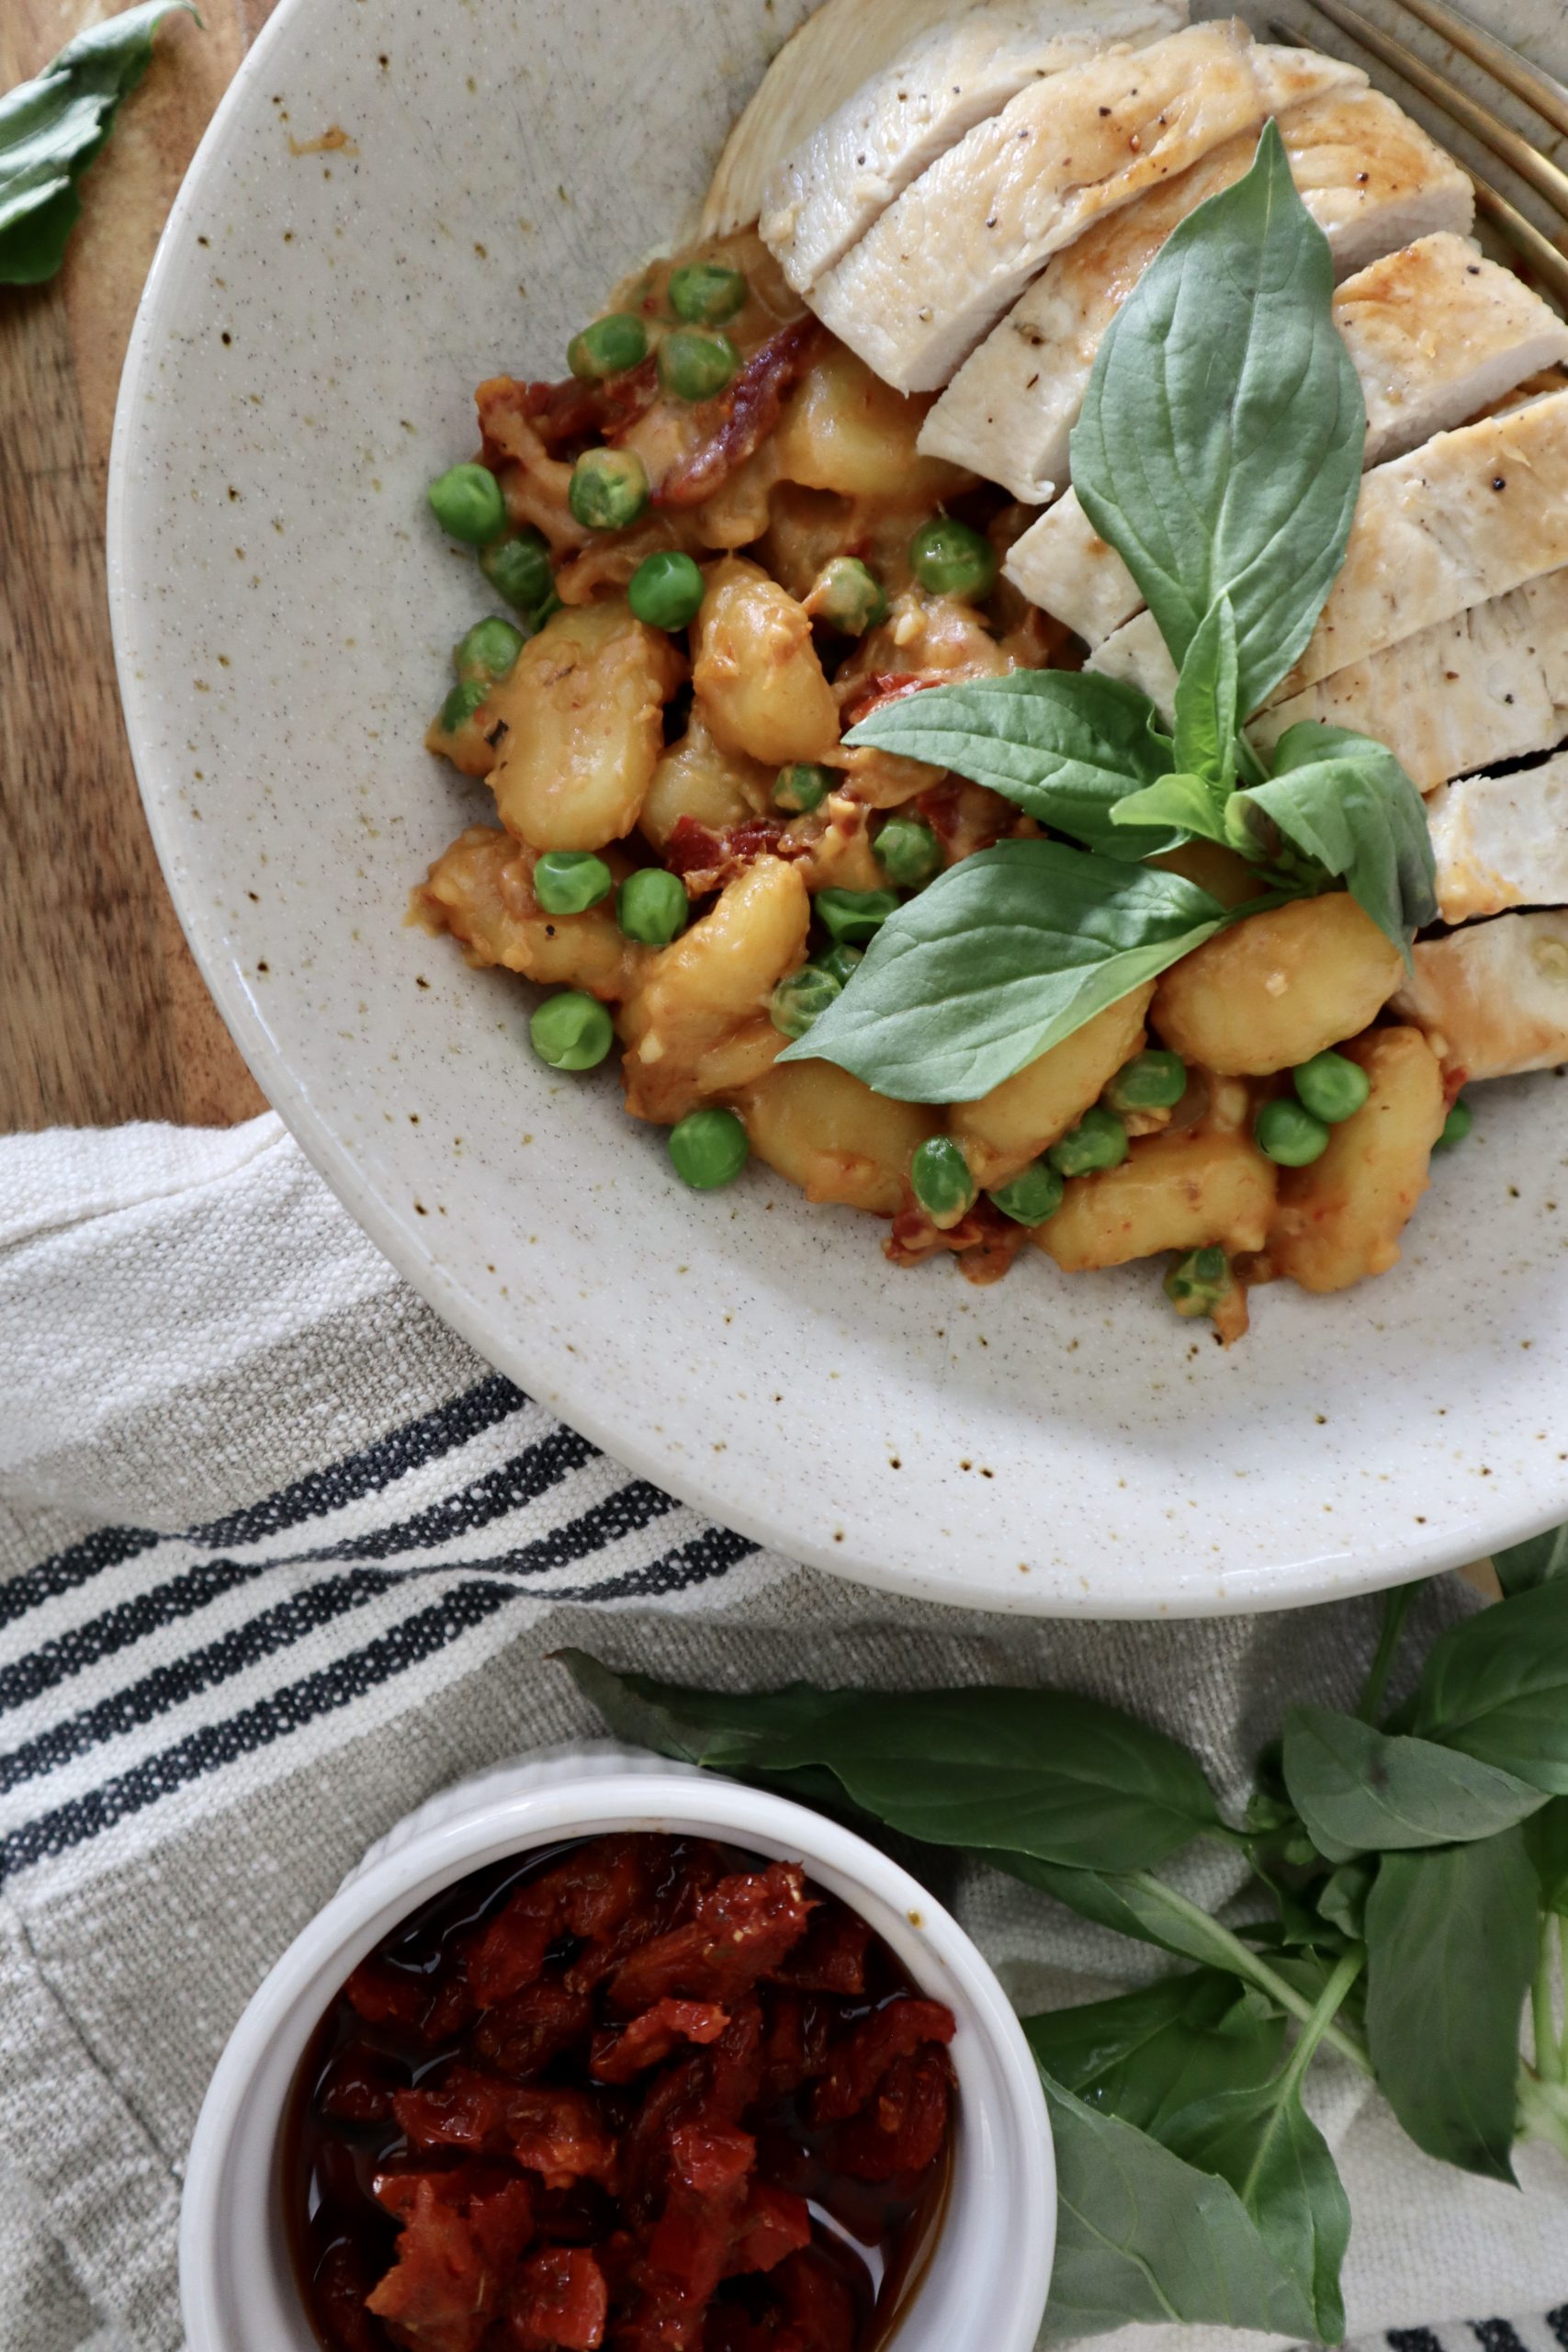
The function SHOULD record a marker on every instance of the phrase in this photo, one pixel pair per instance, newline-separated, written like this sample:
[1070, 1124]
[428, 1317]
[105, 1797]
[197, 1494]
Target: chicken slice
[1490, 685]
[1502, 841]
[1370, 178]
[1467, 516]
[1493, 997]
[831, 189]
[1435, 333]
[958, 247]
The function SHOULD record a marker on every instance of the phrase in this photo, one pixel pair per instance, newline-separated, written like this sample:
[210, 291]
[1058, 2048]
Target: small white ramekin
[985, 2286]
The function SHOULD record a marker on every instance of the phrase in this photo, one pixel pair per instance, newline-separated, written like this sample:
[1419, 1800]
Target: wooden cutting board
[103, 1015]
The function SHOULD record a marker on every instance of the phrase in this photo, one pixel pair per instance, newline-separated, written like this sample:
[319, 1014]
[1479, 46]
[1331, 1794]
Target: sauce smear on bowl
[638, 2092]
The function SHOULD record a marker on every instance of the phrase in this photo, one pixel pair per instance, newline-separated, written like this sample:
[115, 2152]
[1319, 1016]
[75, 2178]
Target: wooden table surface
[103, 1015]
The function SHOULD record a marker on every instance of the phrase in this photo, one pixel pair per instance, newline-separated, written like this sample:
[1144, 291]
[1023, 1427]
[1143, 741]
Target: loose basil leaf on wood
[1207, 714]
[1450, 1951]
[1064, 745]
[1142, 2236]
[1041, 1772]
[1147, 2055]
[1345, 803]
[1497, 1686]
[51, 130]
[1004, 956]
[1541, 1559]
[1263, 2141]
[1219, 449]
[1360, 1791]
[1545, 1842]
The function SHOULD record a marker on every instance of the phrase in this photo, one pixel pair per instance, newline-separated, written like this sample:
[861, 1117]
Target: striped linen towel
[279, 1557]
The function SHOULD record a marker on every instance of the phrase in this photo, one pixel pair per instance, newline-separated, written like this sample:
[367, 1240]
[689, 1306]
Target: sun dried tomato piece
[511, 1952]
[830, 1957]
[771, 2224]
[735, 2061]
[559, 2299]
[903, 2129]
[818, 2309]
[675, 2096]
[796, 2044]
[749, 412]
[467, 2112]
[859, 2063]
[619, 2052]
[432, 2008]
[454, 2247]
[740, 1929]
[881, 687]
[592, 1893]
[521, 2036]
[706, 860]
[561, 2135]
[340, 2284]
[688, 2246]
[358, 2087]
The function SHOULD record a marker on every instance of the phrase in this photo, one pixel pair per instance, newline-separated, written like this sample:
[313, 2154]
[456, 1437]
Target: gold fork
[1531, 83]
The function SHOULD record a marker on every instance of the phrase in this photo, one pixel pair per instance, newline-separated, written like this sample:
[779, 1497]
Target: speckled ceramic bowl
[398, 198]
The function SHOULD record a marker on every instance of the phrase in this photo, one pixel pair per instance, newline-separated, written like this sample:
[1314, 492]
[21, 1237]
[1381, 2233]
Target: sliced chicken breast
[1490, 685]
[1435, 333]
[828, 191]
[1493, 997]
[1467, 516]
[1369, 175]
[1502, 841]
[937, 269]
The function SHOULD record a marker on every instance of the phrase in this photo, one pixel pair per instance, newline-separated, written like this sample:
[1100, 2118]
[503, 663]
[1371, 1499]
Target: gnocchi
[1340, 1219]
[1277, 988]
[582, 714]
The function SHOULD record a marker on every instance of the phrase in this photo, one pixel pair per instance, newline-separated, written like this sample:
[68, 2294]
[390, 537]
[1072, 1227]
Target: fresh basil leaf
[1142, 2236]
[1342, 1898]
[1219, 449]
[1178, 799]
[1064, 745]
[1043, 1772]
[1149, 2054]
[1004, 956]
[1345, 802]
[1545, 1842]
[1450, 1951]
[1541, 1559]
[1360, 1791]
[1207, 712]
[1263, 2140]
[51, 130]
[1136, 1905]
[1497, 1686]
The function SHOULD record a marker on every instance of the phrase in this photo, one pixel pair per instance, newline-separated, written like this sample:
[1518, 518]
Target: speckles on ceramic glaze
[1057, 1446]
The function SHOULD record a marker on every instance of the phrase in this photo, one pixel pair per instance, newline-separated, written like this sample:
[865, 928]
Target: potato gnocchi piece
[844, 429]
[1340, 1218]
[1195, 1187]
[700, 1025]
[756, 672]
[1277, 988]
[583, 708]
[830, 1134]
[1012, 1124]
[698, 778]
[482, 892]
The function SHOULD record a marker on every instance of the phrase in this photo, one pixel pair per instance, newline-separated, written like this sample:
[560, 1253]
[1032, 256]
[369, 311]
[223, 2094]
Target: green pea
[1290, 1133]
[487, 651]
[849, 597]
[467, 503]
[571, 1031]
[801, 786]
[652, 906]
[608, 490]
[1032, 1196]
[710, 1148]
[944, 1186]
[569, 881]
[695, 366]
[519, 570]
[908, 852]
[951, 559]
[462, 704]
[666, 591]
[1151, 1081]
[840, 963]
[801, 998]
[1332, 1087]
[849, 916]
[1456, 1126]
[608, 347]
[1099, 1140]
[705, 293]
[1197, 1283]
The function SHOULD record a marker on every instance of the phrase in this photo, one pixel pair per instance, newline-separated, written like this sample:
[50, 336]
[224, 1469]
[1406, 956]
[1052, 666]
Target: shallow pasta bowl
[393, 203]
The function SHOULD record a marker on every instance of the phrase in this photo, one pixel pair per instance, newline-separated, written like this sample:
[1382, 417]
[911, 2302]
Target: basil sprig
[1407, 1880]
[1219, 452]
[52, 127]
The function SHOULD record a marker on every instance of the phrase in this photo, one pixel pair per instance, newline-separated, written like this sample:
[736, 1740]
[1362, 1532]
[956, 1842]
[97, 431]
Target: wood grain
[103, 1015]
